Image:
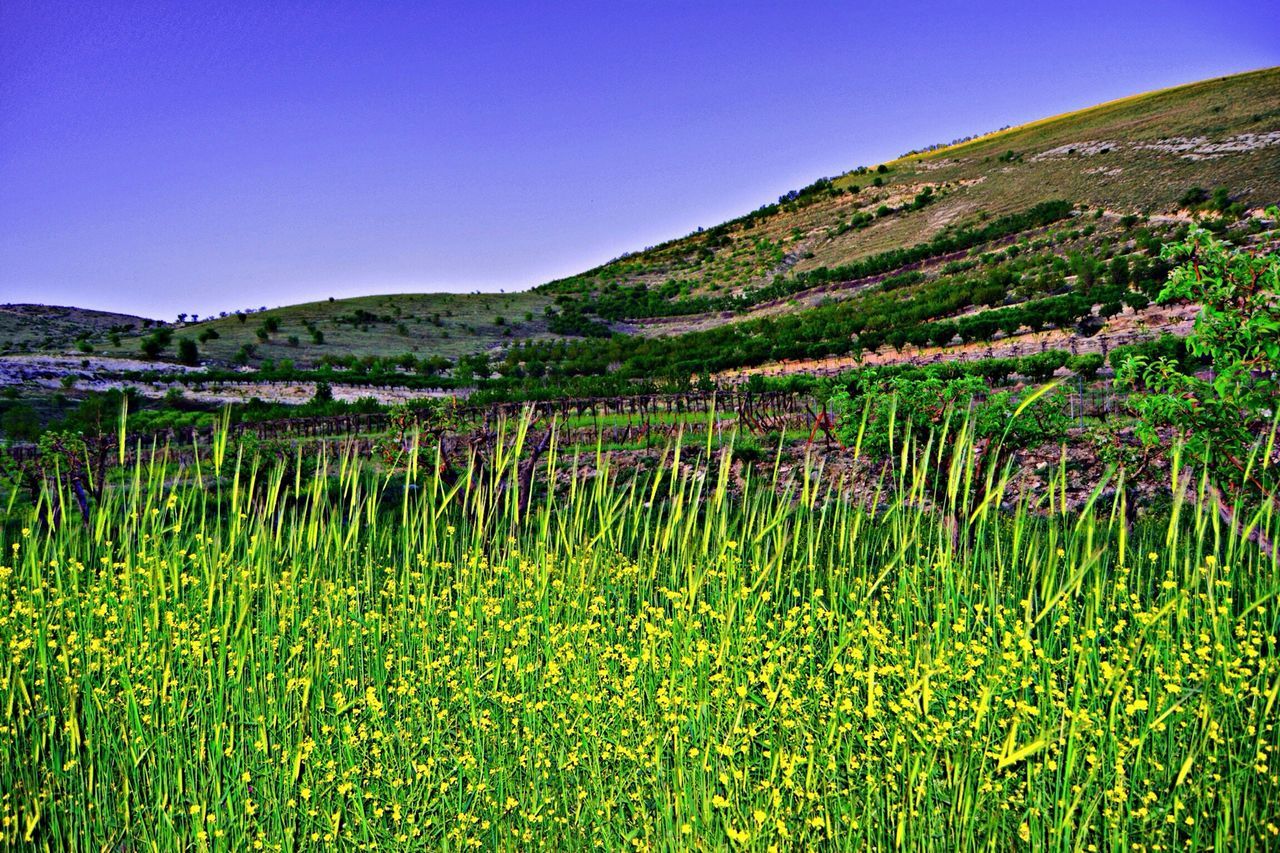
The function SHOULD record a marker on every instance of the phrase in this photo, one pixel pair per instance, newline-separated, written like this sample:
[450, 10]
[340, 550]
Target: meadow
[321, 653]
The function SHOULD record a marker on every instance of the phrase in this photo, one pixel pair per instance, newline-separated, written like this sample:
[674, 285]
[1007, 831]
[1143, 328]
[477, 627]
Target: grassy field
[243, 657]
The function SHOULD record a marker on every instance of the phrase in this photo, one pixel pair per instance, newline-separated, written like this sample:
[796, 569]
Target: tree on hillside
[155, 343]
[187, 352]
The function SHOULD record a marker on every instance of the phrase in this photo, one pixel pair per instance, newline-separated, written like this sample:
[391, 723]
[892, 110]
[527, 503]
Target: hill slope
[26, 327]
[434, 325]
[1127, 167]
[1138, 155]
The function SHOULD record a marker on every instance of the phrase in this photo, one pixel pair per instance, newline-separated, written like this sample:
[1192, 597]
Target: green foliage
[19, 422]
[1166, 347]
[1222, 418]
[1086, 366]
[1197, 199]
[572, 321]
[922, 199]
[617, 302]
[747, 448]
[1193, 198]
[323, 393]
[886, 409]
[187, 352]
[154, 344]
[1041, 366]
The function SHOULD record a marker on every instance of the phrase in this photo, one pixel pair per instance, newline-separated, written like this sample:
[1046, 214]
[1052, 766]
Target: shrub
[1238, 333]
[1086, 366]
[187, 352]
[155, 343]
[323, 393]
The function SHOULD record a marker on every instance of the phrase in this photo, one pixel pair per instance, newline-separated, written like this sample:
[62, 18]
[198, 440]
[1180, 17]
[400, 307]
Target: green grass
[242, 655]
[606, 420]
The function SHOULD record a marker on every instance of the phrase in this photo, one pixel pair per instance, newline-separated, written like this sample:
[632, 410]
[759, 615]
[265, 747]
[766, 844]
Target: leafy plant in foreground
[1221, 417]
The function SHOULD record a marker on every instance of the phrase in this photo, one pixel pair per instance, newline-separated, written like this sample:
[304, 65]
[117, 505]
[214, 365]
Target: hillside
[1138, 155]
[25, 327]
[429, 326]
[1029, 213]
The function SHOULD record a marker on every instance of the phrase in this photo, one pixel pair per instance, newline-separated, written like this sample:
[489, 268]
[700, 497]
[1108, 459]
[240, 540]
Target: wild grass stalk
[241, 655]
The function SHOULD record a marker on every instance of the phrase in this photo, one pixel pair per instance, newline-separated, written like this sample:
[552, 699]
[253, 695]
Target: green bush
[187, 352]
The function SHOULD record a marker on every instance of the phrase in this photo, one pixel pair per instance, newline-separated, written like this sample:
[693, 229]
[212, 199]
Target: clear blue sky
[193, 156]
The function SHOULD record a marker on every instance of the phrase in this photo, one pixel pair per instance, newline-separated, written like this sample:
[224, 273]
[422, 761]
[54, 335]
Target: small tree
[1086, 366]
[1119, 271]
[187, 352]
[1221, 419]
[155, 343]
[20, 423]
[323, 395]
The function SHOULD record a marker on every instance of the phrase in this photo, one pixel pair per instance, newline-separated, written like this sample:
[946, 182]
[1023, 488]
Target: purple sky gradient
[192, 156]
